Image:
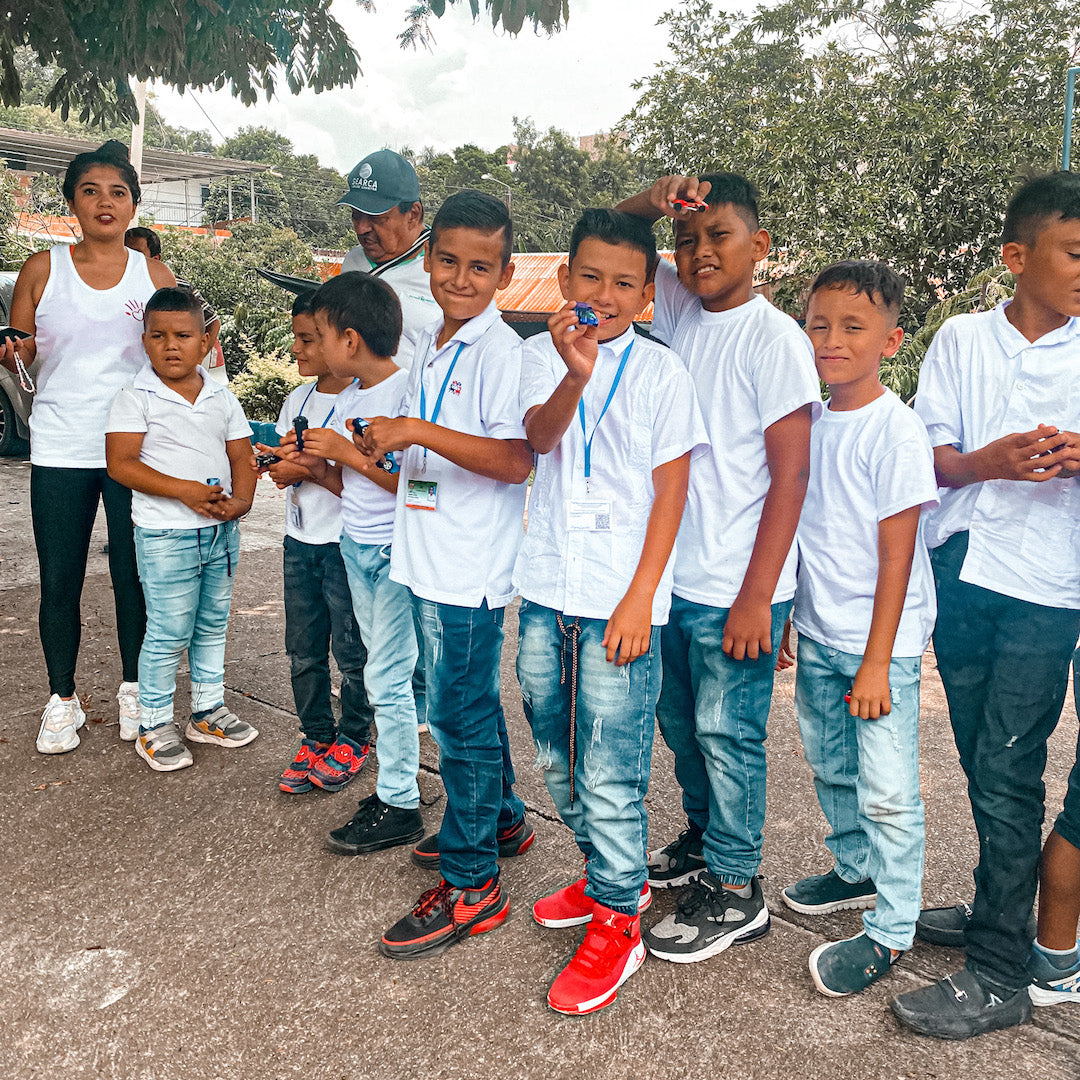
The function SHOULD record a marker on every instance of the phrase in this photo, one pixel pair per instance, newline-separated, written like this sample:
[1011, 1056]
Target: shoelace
[573, 632]
[437, 899]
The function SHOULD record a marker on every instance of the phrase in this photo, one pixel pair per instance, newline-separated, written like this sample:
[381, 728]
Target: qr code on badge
[603, 522]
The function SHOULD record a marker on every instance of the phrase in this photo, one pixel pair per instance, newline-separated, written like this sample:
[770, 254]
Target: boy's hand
[870, 695]
[314, 465]
[669, 188]
[785, 658]
[1068, 445]
[228, 509]
[629, 629]
[386, 434]
[1027, 455]
[202, 498]
[576, 344]
[748, 630]
[326, 443]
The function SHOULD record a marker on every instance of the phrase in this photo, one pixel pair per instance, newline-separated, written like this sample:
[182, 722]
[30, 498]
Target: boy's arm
[244, 478]
[748, 630]
[629, 629]
[655, 202]
[870, 696]
[324, 446]
[1028, 455]
[507, 460]
[122, 460]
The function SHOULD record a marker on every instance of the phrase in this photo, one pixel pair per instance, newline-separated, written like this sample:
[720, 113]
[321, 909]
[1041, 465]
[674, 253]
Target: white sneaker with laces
[127, 698]
[60, 723]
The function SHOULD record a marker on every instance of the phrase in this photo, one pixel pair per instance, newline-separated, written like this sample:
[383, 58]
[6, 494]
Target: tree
[887, 128]
[249, 45]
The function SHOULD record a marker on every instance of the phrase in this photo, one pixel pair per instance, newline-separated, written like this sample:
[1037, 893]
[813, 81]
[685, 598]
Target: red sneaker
[611, 952]
[339, 764]
[297, 777]
[570, 906]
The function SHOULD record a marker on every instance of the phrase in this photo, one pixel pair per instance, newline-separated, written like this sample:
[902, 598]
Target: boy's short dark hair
[471, 209]
[360, 302]
[175, 298]
[738, 191]
[615, 227]
[1031, 209]
[141, 232]
[304, 304]
[883, 285]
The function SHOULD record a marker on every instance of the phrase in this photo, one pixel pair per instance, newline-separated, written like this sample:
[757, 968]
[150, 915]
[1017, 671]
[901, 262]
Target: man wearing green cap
[388, 218]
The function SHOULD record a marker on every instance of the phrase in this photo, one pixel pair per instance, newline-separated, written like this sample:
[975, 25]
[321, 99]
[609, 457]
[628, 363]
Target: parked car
[15, 402]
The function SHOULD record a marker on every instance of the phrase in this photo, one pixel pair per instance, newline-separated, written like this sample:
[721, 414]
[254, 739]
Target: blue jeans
[615, 712]
[318, 617]
[383, 611]
[462, 649]
[713, 712]
[187, 579]
[866, 773]
[1005, 667]
[1067, 824]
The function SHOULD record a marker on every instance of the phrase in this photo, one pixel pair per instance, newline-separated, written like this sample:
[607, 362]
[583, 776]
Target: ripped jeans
[615, 720]
[866, 773]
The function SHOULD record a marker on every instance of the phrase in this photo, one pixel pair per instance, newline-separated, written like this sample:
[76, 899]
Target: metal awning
[37, 152]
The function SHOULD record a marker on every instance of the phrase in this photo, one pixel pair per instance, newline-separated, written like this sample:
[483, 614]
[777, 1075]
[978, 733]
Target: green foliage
[11, 254]
[548, 15]
[265, 383]
[874, 128]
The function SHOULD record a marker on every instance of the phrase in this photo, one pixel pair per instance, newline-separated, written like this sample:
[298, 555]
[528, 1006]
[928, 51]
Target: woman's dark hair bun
[114, 148]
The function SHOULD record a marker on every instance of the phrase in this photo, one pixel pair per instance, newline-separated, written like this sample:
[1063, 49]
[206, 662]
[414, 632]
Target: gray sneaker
[222, 728]
[708, 919]
[163, 749]
[679, 863]
[822, 893]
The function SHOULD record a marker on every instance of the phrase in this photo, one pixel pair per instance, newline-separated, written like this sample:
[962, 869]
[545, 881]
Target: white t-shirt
[182, 439]
[865, 465]
[983, 379]
[653, 418]
[367, 510]
[462, 552]
[312, 514]
[413, 287]
[89, 344]
[751, 366]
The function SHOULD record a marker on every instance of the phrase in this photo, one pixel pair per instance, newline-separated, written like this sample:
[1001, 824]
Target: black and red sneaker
[339, 764]
[444, 916]
[514, 840]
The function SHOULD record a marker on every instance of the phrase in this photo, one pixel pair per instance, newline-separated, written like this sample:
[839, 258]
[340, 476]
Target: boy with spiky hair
[864, 609]
[998, 392]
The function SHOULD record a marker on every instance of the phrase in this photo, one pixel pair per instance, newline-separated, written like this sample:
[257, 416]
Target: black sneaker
[944, 925]
[840, 968]
[375, 826]
[679, 863]
[514, 840]
[822, 893]
[708, 919]
[959, 1007]
[442, 917]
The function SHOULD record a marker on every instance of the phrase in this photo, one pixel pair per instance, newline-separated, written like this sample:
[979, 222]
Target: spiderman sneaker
[339, 764]
[297, 777]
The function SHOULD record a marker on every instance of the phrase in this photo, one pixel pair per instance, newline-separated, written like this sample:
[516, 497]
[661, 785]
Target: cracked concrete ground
[194, 927]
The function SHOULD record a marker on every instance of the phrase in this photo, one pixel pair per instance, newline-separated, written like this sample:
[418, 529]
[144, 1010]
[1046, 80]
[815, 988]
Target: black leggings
[63, 505]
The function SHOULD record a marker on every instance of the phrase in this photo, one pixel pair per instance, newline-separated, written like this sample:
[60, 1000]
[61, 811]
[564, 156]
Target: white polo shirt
[751, 366]
[983, 379]
[367, 510]
[462, 551]
[865, 466]
[312, 514]
[413, 287]
[182, 439]
[653, 418]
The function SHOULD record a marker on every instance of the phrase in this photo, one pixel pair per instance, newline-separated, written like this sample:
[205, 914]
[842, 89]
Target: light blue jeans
[713, 712]
[383, 611]
[615, 714]
[187, 579]
[866, 773]
[462, 650]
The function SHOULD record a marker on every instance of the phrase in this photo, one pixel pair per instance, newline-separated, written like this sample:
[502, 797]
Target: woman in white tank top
[82, 306]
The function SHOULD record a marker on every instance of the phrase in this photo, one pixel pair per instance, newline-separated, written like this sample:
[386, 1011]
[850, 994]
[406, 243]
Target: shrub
[265, 383]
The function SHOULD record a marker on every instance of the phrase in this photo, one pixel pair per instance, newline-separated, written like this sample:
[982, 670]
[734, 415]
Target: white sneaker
[128, 699]
[60, 723]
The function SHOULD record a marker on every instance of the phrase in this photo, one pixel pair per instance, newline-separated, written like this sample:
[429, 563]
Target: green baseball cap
[380, 182]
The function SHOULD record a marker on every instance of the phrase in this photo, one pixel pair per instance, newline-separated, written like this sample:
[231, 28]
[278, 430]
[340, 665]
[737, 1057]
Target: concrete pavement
[194, 927]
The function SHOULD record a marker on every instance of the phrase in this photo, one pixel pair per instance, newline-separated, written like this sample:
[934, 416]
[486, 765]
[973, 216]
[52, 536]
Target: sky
[467, 88]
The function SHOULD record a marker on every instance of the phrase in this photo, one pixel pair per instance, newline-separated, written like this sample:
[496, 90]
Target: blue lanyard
[581, 414]
[438, 400]
[303, 407]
